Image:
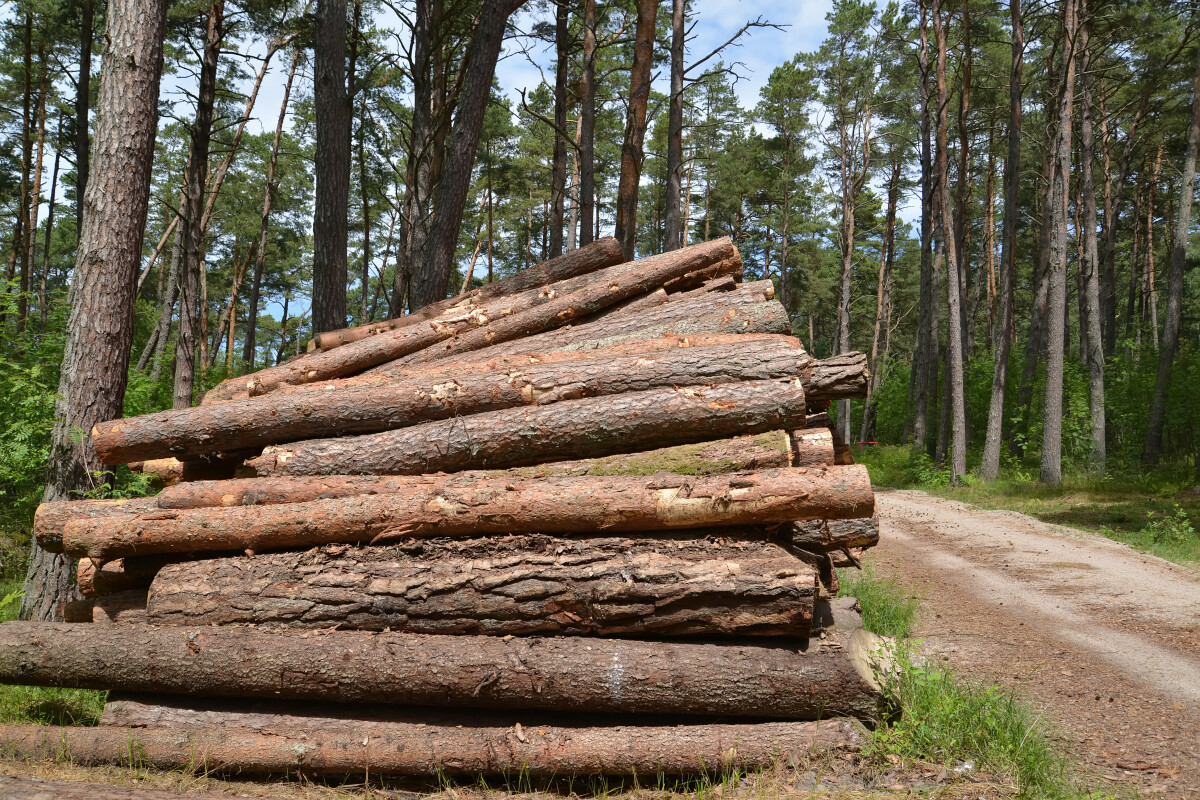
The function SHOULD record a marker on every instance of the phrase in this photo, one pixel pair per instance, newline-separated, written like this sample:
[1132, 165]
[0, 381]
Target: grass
[946, 719]
[1152, 511]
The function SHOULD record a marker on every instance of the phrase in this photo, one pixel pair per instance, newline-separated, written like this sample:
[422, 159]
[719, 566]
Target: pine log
[571, 505]
[838, 377]
[426, 744]
[163, 471]
[496, 320]
[651, 300]
[725, 283]
[712, 313]
[827, 677]
[609, 287]
[123, 607]
[831, 535]
[707, 458]
[97, 578]
[516, 585]
[37, 742]
[369, 409]
[586, 428]
[720, 272]
[449, 369]
[602, 253]
[812, 448]
[50, 518]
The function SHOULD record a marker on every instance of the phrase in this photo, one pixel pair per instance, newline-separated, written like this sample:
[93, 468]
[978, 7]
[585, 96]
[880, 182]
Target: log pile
[583, 520]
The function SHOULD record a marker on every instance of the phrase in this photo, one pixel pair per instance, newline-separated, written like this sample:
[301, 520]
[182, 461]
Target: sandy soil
[1105, 641]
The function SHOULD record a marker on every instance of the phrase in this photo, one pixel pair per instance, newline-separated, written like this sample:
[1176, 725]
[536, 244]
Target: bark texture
[831, 535]
[600, 254]
[100, 327]
[14, 788]
[332, 192]
[123, 607]
[812, 448]
[256, 422]
[517, 437]
[434, 507]
[825, 677]
[291, 740]
[516, 585]
[51, 517]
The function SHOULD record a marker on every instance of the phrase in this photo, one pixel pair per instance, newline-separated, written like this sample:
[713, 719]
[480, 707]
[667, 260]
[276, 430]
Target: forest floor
[1101, 639]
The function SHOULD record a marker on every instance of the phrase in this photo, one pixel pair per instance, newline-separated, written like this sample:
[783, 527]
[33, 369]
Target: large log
[426, 743]
[812, 447]
[838, 377]
[504, 318]
[50, 518]
[725, 455]
[392, 373]
[609, 287]
[123, 607]
[515, 585]
[35, 747]
[712, 313]
[260, 421]
[434, 507]
[591, 257]
[831, 535]
[587, 428]
[819, 678]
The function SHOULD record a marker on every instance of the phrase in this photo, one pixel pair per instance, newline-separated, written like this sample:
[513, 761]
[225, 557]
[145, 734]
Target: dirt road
[1105, 641]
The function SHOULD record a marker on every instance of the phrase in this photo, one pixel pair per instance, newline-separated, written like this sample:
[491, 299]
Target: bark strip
[588, 428]
[572, 505]
[516, 585]
[818, 678]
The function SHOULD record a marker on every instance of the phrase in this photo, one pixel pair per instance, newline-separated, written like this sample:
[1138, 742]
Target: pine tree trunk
[674, 229]
[1056, 268]
[587, 130]
[558, 180]
[191, 231]
[924, 369]
[1173, 321]
[100, 327]
[332, 156]
[632, 151]
[1090, 263]
[82, 105]
[989, 468]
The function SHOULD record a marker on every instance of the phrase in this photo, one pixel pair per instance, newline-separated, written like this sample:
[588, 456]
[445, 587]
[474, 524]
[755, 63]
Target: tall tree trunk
[35, 194]
[432, 277]
[191, 230]
[558, 187]
[100, 328]
[83, 85]
[1149, 295]
[954, 347]
[414, 227]
[332, 154]
[963, 182]
[674, 231]
[882, 298]
[1090, 263]
[1173, 321]
[1056, 266]
[260, 255]
[990, 467]
[19, 254]
[925, 358]
[587, 129]
[632, 151]
[45, 274]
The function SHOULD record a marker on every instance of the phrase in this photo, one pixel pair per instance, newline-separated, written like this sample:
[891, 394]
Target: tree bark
[191, 231]
[1056, 269]
[500, 319]
[674, 227]
[831, 535]
[54, 514]
[925, 357]
[83, 94]
[576, 428]
[124, 607]
[431, 277]
[439, 507]
[600, 254]
[1172, 324]
[332, 195]
[812, 448]
[989, 468]
[288, 740]
[954, 348]
[632, 150]
[882, 300]
[277, 419]
[558, 181]
[1090, 263]
[100, 327]
[587, 129]
[515, 586]
[828, 677]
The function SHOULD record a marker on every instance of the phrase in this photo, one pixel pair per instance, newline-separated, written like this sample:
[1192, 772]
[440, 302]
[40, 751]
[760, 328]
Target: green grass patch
[888, 608]
[1155, 511]
[43, 705]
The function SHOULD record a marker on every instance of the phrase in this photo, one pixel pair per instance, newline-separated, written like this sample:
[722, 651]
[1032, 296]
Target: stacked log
[591, 513]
